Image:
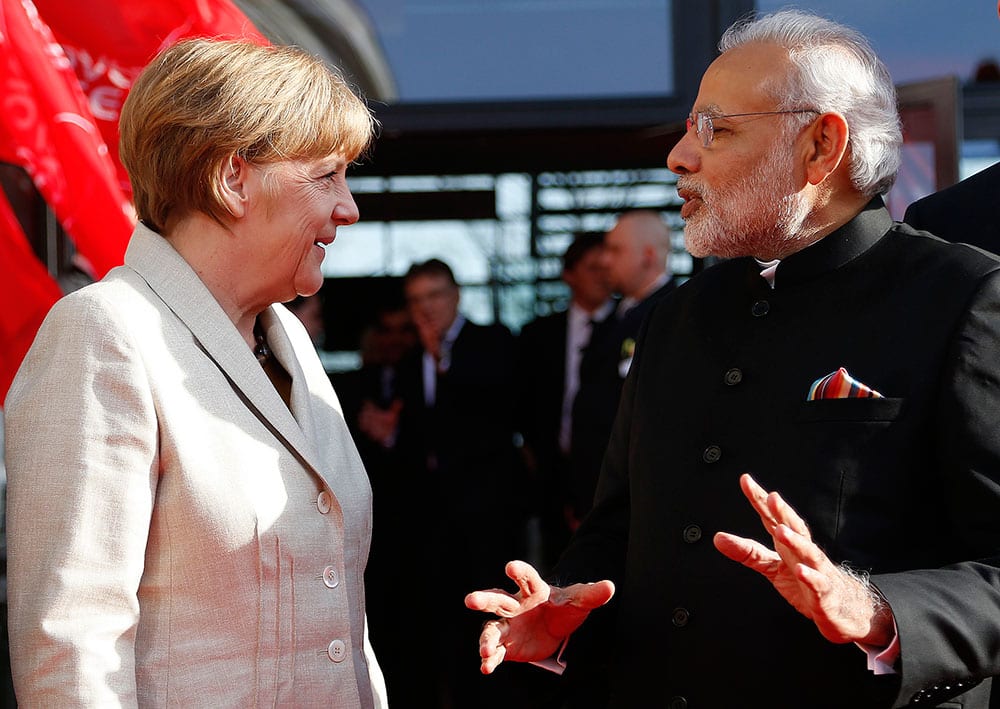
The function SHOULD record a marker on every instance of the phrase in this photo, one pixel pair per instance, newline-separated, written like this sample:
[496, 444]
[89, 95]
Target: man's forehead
[737, 80]
[427, 281]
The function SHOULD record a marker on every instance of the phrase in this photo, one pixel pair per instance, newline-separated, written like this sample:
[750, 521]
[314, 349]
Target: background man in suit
[968, 212]
[370, 399]
[548, 375]
[636, 255]
[793, 139]
[456, 432]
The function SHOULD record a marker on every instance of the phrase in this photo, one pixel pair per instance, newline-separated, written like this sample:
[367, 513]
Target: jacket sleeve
[949, 618]
[81, 452]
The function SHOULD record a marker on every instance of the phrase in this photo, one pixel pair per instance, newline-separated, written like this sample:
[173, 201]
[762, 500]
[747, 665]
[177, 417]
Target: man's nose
[685, 157]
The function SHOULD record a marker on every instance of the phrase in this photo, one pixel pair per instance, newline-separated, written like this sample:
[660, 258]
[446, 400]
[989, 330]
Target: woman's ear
[828, 142]
[233, 185]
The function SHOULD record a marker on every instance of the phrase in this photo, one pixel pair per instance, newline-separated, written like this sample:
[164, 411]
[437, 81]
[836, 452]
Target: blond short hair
[202, 101]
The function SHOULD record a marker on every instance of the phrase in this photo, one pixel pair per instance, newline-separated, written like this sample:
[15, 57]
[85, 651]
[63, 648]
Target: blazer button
[692, 533]
[760, 308]
[733, 376]
[677, 703]
[324, 503]
[711, 454]
[680, 617]
[330, 577]
[337, 650]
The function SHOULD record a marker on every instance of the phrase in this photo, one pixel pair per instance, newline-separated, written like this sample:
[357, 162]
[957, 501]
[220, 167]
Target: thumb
[586, 596]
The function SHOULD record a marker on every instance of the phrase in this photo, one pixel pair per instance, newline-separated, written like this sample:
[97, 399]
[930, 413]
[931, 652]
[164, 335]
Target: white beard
[759, 215]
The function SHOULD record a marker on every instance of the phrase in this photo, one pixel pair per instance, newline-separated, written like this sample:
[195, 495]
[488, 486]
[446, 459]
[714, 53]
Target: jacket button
[680, 617]
[337, 650]
[330, 577]
[692, 533]
[760, 308]
[324, 503]
[711, 454]
[733, 376]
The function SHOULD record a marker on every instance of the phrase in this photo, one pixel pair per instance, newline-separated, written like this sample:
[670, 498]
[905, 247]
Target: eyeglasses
[702, 121]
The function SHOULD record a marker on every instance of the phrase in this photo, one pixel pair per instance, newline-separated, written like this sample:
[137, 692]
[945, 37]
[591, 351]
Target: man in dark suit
[636, 255]
[370, 402]
[968, 212]
[846, 360]
[548, 377]
[456, 430]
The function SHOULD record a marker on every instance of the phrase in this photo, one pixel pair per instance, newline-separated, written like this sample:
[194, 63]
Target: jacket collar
[182, 291]
[832, 251]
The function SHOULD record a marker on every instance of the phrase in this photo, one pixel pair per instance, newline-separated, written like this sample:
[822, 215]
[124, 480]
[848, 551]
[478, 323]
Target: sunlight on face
[756, 214]
[302, 204]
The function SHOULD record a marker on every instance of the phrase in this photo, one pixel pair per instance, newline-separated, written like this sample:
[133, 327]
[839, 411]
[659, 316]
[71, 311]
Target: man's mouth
[692, 201]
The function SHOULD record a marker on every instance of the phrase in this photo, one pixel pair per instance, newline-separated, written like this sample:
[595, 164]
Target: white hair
[837, 71]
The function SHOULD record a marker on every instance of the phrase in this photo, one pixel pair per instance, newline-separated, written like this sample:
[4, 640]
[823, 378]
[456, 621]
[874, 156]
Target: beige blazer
[177, 536]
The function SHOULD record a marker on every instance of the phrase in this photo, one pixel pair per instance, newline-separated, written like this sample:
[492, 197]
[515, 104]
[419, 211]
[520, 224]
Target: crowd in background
[457, 421]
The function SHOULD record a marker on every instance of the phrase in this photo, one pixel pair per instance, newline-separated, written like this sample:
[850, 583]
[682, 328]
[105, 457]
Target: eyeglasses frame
[701, 121]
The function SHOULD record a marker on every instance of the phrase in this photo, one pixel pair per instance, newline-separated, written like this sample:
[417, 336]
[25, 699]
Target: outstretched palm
[535, 621]
[842, 608]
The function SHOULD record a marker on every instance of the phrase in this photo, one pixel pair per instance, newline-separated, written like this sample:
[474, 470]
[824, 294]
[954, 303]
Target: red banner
[46, 127]
[27, 291]
[65, 69]
[108, 45]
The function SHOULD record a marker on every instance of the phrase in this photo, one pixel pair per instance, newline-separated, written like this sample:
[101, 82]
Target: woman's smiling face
[299, 205]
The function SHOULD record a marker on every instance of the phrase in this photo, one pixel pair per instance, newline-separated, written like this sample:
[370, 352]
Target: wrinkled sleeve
[949, 618]
[81, 452]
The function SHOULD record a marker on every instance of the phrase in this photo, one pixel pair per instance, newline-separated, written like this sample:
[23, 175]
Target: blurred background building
[509, 125]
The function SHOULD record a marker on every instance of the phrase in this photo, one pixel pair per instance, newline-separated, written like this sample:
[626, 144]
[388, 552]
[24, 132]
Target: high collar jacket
[900, 486]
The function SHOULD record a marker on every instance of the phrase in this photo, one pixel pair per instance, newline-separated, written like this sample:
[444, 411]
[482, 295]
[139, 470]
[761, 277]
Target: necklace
[261, 350]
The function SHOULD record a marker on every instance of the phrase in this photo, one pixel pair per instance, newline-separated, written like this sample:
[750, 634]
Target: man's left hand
[839, 604]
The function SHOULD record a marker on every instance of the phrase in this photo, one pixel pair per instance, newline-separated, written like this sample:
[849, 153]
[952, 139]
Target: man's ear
[826, 146]
[232, 185]
[649, 255]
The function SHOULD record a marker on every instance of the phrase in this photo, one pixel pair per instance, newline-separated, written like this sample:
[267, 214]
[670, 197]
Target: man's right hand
[379, 424]
[535, 621]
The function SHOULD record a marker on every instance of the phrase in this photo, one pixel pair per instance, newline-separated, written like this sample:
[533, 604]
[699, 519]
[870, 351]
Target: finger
[526, 577]
[495, 601]
[492, 637]
[748, 552]
[784, 513]
[585, 596]
[757, 496]
[796, 548]
[492, 661]
[818, 583]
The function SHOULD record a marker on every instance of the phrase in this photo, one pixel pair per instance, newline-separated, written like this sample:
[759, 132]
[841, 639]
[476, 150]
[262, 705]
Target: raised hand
[535, 621]
[843, 607]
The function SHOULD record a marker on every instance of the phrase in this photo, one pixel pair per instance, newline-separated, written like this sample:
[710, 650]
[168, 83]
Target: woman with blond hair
[189, 520]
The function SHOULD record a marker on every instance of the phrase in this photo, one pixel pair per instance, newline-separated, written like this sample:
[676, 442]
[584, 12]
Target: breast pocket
[849, 451]
[846, 410]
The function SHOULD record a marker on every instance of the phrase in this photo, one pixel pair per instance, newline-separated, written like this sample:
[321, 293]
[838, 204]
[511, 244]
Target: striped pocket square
[840, 385]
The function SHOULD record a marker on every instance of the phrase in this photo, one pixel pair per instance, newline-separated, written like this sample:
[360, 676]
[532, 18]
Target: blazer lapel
[314, 403]
[183, 292]
[301, 404]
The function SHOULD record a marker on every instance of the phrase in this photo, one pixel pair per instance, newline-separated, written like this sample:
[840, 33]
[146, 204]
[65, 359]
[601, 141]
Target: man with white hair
[845, 360]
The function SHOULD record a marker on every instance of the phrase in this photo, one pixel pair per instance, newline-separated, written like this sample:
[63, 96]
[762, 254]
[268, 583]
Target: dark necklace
[261, 350]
